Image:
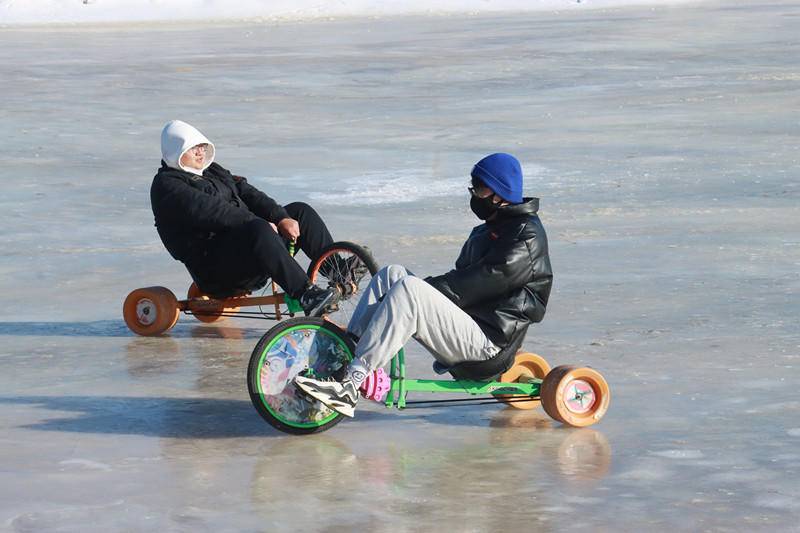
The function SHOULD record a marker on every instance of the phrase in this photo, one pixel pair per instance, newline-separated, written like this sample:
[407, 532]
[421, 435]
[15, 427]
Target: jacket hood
[176, 138]
[529, 206]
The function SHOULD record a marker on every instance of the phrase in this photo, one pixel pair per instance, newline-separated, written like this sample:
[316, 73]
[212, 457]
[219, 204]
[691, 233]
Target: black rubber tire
[356, 249]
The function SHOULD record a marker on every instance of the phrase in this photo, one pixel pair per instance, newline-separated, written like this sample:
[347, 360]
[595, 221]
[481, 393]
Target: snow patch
[403, 186]
[398, 188]
[85, 464]
[679, 454]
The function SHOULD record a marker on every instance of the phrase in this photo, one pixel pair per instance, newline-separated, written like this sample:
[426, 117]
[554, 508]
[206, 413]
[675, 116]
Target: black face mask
[483, 207]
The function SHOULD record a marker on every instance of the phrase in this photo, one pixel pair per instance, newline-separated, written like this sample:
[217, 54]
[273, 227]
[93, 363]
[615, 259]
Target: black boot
[317, 301]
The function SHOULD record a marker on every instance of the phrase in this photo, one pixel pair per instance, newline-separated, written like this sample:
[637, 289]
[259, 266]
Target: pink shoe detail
[376, 386]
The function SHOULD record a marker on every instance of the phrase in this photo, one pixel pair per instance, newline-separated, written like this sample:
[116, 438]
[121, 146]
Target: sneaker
[317, 301]
[342, 396]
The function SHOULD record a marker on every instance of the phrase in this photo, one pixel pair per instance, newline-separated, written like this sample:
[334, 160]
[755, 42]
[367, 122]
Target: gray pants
[397, 306]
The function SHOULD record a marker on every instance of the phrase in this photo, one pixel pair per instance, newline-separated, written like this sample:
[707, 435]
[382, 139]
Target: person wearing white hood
[231, 236]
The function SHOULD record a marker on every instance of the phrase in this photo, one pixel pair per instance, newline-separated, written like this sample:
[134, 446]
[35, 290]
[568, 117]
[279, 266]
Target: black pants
[242, 259]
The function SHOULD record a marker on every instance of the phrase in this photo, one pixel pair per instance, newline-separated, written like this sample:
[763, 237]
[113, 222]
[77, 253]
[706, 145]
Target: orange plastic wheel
[575, 396]
[212, 312]
[150, 311]
[526, 366]
[175, 320]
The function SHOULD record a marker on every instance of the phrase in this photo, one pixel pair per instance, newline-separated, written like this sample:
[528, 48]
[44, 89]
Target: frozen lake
[662, 142]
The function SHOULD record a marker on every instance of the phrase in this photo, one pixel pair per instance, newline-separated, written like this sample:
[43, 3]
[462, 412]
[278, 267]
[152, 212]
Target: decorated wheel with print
[349, 267]
[575, 396]
[527, 367]
[311, 346]
[150, 311]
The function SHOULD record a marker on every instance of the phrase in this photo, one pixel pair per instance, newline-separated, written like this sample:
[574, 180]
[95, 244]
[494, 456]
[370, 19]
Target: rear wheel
[349, 267]
[291, 347]
[527, 366]
[575, 396]
[210, 313]
[150, 311]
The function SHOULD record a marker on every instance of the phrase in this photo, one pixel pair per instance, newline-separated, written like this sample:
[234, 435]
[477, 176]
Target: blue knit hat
[503, 174]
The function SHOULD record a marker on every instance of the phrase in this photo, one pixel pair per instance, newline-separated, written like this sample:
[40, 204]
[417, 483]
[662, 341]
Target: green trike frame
[573, 396]
[527, 387]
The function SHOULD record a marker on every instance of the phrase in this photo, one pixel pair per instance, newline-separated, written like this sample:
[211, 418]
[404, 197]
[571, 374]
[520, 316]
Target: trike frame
[152, 311]
[401, 386]
[573, 396]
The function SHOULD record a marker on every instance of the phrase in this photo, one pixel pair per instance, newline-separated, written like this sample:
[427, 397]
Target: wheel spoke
[349, 273]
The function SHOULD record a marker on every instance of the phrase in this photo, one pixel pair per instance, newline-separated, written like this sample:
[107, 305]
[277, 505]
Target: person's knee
[393, 273]
[298, 210]
[412, 285]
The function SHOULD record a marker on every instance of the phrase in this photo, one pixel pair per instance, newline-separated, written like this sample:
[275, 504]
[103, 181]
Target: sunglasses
[477, 185]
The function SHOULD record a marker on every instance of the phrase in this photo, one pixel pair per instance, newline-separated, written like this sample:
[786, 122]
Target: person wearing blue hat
[473, 318]
[503, 174]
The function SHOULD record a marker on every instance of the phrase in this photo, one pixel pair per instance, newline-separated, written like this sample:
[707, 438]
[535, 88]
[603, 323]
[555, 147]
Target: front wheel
[348, 267]
[293, 346]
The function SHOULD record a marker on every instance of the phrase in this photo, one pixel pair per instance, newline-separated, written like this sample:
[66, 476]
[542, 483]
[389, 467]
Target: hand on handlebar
[289, 228]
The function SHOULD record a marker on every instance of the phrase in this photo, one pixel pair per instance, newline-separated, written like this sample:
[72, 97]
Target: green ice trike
[573, 396]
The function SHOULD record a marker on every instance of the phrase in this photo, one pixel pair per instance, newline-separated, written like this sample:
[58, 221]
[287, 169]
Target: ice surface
[662, 142]
[70, 11]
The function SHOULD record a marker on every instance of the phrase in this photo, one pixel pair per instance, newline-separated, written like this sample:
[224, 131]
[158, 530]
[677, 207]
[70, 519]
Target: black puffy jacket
[503, 276]
[190, 209]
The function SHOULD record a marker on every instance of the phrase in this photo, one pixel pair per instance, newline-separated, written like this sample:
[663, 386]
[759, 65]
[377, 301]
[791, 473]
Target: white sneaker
[342, 396]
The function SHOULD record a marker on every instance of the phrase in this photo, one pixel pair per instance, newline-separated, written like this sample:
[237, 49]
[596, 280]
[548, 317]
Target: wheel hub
[145, 311]
[579, 396]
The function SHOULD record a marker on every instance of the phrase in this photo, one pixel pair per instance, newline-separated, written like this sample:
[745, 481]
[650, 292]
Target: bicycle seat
[491, 368]
[227, 288]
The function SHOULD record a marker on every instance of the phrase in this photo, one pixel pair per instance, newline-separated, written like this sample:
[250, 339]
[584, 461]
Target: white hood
[176, 138]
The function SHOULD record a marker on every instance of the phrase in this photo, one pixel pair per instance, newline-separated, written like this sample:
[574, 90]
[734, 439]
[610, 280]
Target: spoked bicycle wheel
[349, 267]
[285, 351]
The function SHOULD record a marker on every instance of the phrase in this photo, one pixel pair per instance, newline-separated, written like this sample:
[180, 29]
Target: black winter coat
[503, 276]
[190, 209]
